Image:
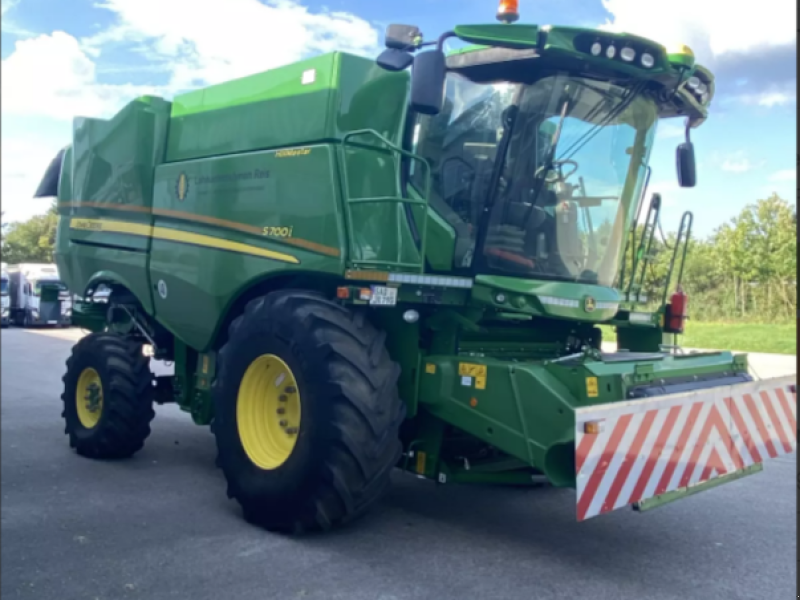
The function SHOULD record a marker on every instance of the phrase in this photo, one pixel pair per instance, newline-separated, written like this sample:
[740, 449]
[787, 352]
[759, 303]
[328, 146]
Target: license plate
[52, 322]
[383, 296]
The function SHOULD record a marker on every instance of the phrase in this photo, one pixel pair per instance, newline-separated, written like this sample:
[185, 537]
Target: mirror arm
[444, 37]
[688, 130]
[438, 43]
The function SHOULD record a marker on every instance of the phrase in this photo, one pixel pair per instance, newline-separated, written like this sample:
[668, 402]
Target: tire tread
[366, 409]
[126, 397]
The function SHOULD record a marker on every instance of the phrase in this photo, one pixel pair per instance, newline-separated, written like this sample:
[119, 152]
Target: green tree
[32, 240]
[744, 271]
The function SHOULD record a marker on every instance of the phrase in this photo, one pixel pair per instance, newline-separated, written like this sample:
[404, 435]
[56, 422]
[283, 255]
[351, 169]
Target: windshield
[4, 287]
[37, 287]
[557, 202]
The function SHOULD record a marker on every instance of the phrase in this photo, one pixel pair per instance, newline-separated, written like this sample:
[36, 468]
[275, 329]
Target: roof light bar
[432, 280]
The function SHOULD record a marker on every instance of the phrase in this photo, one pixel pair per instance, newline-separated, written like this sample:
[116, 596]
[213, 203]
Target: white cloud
[50, 78]
[743, 43]
[207, 45]
[735, 162]
[712, 27]
[7, 5]
[741, 165]
[9, 25]
[770, 98]
[784, 175]
[65, 84]
[25, 159]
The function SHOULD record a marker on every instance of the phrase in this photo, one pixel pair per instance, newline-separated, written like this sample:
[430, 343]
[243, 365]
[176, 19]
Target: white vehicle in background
[101, 294]
[38, 296]
[5, 299]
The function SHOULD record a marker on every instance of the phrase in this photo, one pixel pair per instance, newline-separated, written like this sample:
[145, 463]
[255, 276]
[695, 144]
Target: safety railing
[642, 255]
[349, 201]
[684, 235]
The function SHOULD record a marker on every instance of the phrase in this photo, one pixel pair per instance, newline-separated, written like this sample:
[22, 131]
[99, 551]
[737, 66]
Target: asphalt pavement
[159, 526]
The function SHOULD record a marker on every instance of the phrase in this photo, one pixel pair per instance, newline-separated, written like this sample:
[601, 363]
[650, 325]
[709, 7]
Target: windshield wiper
[587, 137]
[509, 118]
[551, 155]
[539, 182]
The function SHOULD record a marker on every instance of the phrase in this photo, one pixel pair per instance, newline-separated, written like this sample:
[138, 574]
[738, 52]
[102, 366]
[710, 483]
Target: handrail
[631, 239]
[690, 216]
[645, 245]
[392, 147]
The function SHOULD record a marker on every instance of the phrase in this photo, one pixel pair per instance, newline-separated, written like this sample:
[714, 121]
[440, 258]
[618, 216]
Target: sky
[90, 57]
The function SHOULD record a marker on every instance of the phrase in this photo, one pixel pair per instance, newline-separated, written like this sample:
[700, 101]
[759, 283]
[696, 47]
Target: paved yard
[159, 526]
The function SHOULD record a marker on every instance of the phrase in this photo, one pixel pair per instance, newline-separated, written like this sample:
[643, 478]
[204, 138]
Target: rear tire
[114, 421]
[349, 414]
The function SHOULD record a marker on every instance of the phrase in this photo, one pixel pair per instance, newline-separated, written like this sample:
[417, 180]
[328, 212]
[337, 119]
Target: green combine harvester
[358, 265]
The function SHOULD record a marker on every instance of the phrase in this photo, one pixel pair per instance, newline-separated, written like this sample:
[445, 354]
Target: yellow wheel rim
[268, 411]
[89, 398]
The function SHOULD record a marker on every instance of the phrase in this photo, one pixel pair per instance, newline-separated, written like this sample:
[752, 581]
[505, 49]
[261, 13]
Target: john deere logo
[182, 186]
[589, 304]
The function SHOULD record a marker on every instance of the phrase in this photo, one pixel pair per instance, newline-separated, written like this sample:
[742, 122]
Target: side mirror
[427, 82]
[687, 171]
[402, 37]
[392, 59]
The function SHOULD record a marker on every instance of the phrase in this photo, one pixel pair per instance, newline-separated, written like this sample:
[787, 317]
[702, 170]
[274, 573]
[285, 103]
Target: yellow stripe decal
[111, 226]
[205, 219]
[173, 235]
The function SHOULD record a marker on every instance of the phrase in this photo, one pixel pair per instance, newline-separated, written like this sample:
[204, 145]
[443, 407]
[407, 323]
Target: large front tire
[307, 413]
[108, 396]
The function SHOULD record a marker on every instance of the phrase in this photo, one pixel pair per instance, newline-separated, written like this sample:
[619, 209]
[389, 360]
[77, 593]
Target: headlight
[596, 49]
[627, 54]
[647, 60]
[611, 51]
[693, 82]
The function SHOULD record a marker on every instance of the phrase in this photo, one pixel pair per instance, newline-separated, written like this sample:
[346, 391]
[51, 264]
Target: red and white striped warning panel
[629, 451]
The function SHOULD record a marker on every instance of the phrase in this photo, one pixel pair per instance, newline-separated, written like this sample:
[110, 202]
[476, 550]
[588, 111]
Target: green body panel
[526, 408]
[548, 298]
[565, 41]
[109, 173]
[226, 187]
[441, 237]
[234, 199]
[311, 101]
[640, 338]
[378, 228]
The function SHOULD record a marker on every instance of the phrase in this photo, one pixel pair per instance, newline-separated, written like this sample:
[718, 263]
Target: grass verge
[742, 337]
